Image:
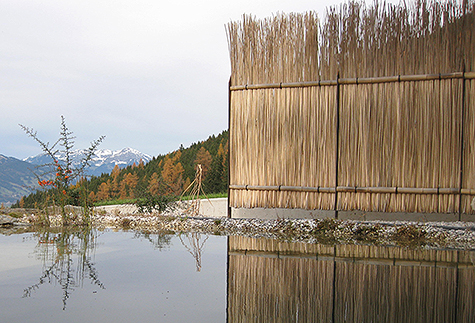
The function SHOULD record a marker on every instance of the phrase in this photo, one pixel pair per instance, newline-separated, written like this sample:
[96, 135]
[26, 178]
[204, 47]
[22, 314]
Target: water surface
[112, 277]
[93, 276]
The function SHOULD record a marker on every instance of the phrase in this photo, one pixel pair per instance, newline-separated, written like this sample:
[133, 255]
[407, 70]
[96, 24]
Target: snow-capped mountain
[103, 161]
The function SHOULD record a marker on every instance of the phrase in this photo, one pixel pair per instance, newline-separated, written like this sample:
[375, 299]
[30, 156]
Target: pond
[121, 276]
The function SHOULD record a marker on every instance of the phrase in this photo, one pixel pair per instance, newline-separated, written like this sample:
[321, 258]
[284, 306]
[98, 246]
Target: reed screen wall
[281, 282]
[371, 109]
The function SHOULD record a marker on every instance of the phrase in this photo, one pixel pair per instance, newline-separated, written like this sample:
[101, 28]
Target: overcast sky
[147, 74]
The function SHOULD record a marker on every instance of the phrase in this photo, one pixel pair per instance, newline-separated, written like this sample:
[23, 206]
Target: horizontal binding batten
[238, 187]
[426, 77]
[349, 189]
[376, 190]
[371, 80]
[262, 188]
[363, 80]
[415, 190]
[353, 189]
[326, 190]
[449, 191]
[263, 86]
[469, 75]
[304, 84]
[467, 191]
[299, 189]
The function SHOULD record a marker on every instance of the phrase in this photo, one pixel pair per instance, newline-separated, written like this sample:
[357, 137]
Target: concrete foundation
[263, 213]
[219, 208]
[214, 208]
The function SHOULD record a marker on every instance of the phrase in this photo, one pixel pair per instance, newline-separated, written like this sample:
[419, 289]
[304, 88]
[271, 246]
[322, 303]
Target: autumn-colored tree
[187, 183]
[128, 185]
[115, 171]
[92, 197]
[114, 188]
[123, 190]
[22, 202]
[203, 158]
[131, 180]
[225, 163]
[172, 174]
[223, 151]
[154, 185]
[103, 193]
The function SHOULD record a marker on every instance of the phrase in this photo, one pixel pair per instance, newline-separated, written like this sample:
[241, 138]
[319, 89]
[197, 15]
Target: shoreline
[432, 235]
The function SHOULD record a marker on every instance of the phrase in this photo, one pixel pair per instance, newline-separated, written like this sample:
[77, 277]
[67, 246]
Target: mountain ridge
[17, 177]
[103, 161]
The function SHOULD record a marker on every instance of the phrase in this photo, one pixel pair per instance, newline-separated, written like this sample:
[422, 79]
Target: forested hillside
[168, 174]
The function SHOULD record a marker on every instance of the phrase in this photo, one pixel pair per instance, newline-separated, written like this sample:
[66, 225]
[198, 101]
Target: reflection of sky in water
[142, 282]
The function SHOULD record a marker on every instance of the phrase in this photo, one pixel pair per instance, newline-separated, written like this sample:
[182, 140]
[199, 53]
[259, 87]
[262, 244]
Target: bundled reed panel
[400, 135]
[283, 137]
[370, 109]
[468, 167]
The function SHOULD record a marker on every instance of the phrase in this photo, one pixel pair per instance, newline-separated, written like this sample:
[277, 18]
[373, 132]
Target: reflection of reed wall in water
[369, 143]
[285, 282]
[265, 290]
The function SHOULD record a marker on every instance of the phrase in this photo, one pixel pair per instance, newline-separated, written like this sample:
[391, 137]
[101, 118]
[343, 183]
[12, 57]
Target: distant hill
[104, 160]
[16, 179]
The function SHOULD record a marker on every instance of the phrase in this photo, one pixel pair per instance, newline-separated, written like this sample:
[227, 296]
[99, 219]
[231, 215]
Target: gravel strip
[453, 235]
[456, 235]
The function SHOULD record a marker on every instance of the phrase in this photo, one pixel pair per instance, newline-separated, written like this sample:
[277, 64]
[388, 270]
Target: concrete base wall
[219, 208]
[271, 214]
[214, 208]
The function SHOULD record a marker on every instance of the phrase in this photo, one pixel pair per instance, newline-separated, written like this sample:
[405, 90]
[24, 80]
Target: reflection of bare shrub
[160, 240]
[67, 260]
[325, 231]
[125, 223]
[325, 226]
[195, 247]
[368, 233]
[410, 235]
[285, 226]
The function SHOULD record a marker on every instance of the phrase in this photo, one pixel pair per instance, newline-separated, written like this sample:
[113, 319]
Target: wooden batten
[354, 189]
[364, 80]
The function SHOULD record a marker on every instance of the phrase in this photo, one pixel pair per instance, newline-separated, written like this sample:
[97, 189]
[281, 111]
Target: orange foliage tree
[203, 158]
[172, 174]
[103, 193]
[128, 185]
